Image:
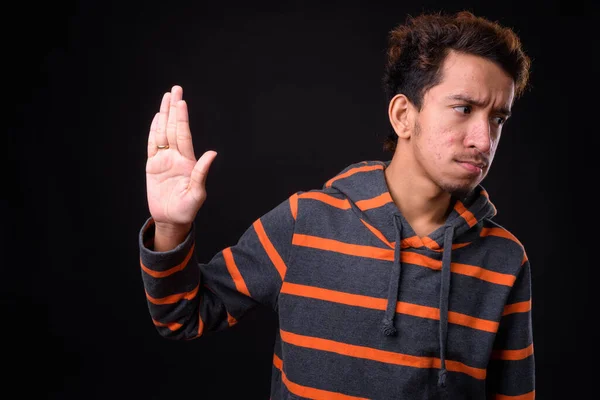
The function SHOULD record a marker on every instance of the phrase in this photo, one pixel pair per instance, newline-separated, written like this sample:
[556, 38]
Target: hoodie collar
[366, 189]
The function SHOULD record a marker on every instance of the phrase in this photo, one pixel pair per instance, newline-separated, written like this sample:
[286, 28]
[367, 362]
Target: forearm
[187, 298]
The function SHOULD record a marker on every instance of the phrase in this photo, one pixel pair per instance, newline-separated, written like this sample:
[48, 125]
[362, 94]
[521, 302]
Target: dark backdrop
[288, 94]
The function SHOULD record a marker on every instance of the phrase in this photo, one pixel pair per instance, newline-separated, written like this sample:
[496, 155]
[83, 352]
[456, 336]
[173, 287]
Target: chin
[459, 191]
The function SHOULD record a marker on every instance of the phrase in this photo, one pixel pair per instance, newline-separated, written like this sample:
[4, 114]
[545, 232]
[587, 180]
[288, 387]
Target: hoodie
[366, 308]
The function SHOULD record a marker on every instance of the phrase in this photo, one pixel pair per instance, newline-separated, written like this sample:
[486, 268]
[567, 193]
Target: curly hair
[417, 50]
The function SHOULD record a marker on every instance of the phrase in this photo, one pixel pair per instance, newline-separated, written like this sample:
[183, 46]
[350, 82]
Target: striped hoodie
[366, 308]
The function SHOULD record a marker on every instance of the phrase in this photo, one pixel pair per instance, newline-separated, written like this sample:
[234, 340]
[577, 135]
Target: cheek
[448, 141]
[441, 143]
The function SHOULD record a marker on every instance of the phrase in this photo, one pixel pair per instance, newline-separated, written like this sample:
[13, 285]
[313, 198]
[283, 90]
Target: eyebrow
[477, 103]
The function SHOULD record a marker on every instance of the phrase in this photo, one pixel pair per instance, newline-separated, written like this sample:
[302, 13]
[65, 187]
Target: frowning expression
[456, 133]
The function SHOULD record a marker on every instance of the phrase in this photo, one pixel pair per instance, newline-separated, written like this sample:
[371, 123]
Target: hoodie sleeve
[186, 298]
[511, 371]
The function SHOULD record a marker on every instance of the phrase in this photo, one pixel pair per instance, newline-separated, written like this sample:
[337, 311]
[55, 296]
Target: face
[458, 129]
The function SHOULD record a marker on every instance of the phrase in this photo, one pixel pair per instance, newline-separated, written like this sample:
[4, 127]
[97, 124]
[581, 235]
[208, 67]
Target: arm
[511, 370]
[187, 299]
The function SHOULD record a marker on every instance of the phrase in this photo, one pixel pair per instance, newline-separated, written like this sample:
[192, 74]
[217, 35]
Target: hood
[366, 189]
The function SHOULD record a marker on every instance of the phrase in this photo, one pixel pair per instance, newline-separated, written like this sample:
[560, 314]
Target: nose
[480, 136]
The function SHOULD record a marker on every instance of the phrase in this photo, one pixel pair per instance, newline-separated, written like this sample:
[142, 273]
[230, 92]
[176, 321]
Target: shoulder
[505, 239]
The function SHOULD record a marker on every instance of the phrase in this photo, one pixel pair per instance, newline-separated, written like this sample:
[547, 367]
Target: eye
[499, 120]
[463, 109]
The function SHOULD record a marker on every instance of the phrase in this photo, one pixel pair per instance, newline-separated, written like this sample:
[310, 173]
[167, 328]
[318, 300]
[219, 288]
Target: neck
[424, 204]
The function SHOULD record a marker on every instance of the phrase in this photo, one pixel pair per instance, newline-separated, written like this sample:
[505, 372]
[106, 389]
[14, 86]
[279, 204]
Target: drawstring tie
[444, 296]
[388, 327]
[388, 319]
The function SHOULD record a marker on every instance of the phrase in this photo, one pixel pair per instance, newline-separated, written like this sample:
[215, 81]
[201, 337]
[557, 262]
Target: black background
[288, 94]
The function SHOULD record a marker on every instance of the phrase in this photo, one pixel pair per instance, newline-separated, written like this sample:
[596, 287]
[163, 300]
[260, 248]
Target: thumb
[200, 171]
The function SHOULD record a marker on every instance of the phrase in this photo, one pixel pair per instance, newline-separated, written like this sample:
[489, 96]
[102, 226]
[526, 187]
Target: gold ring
[166, 146]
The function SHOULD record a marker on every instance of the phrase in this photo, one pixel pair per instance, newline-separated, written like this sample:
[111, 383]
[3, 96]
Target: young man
[391, 281]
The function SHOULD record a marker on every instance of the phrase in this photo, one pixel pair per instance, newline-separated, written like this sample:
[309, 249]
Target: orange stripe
[170, 271]
[238, 280]
[407, 257]
[342, 204]
[377, 233]
[432, 244]
[522, 307]
[513, 355]
[465, 213]
[294, 205]
[458, 245]
[309, 392]
[173, 326]
[368, 204]
[419, 259]
[463, 269]
[174, 298]
[416, 242]
[269, 248]
[353, 171]
[375, 202]
[357, 300]
[472, 322]
[230, 320]
[526, 396]
[341, 247]
[483, 274]
[500, 232]
[383, 356]
[334, 296]
[412, 241]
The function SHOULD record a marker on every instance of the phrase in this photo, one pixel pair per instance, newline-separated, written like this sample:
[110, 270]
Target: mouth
[473, 167]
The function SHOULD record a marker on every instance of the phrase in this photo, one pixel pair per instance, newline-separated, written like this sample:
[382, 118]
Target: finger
[176, 95]
[184, 135]
[152, 137]
[161, 125]
[200, 172]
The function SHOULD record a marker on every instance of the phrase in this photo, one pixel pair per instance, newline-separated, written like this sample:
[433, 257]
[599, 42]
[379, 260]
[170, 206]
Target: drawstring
[444, 295]
[388, 319]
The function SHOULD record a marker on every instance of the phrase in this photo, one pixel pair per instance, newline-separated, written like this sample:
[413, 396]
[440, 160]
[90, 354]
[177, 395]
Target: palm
[175, 181]
[168, 180]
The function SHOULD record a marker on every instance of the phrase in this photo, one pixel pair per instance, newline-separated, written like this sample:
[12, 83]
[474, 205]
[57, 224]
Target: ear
[400, 113]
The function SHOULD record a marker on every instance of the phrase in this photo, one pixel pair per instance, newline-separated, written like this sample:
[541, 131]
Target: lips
[478, 164]
[473, 167]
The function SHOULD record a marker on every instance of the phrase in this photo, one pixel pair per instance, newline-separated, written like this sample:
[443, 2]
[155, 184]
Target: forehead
[475, 76]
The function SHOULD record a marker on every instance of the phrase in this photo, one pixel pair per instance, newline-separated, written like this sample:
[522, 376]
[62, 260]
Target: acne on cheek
[449, 142]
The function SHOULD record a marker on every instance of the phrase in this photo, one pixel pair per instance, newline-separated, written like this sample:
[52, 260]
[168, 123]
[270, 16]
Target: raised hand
[175, 180]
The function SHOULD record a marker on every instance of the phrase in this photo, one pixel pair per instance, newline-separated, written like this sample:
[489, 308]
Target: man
[391, 281]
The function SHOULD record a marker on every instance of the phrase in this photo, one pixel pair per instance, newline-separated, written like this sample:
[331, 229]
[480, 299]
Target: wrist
[169, 236]
[172, 230]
